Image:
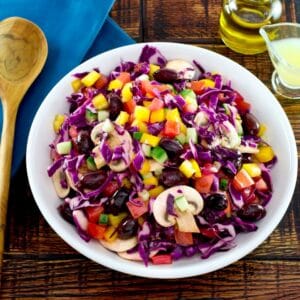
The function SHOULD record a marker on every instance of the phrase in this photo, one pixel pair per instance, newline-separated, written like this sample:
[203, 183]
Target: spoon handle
[7, 137]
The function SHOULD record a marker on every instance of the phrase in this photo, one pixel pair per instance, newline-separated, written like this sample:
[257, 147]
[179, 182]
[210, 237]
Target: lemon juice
[286, 60]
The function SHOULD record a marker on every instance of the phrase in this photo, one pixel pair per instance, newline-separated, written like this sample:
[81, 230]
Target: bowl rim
[138, 269]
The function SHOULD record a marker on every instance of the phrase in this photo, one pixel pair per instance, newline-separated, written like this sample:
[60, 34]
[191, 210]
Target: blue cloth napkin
[75, 30]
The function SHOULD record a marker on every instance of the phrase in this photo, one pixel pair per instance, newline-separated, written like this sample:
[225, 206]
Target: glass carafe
[240, 21]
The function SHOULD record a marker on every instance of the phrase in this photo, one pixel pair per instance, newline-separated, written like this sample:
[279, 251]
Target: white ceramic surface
[265, 107]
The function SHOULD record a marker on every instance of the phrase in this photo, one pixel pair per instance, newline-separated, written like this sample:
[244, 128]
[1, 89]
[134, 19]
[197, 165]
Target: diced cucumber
[147, 175]
[159, 154]
[91, 164]
[223, 184]
[181, 138]
[188, 94]
[191, 134]
[108, 126]
[181, 203]
[146, 150]
[227, 109]
[103, 115]
[137, 135]
[144, 195]
[64, 147]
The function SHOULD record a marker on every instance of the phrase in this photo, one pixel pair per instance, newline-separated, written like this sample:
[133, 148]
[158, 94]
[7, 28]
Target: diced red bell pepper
[129, 106]
[93, 213]
[209, 232]
[183, 238]
[137, 207]
[151, 89]
[124, 77]
[101, 82]
[242, 180]
[161, 259]
[228, 209]
[242, 105]
[172, 128]
[110, 189]
[203, 184]
[156, 104]
[96, 231]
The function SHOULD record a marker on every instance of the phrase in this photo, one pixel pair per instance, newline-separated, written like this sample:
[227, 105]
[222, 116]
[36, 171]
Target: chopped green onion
[103, 219]
[90, 116]
[91, 164]
[137, 135]
[103, 115]
[223, 184]
[181, 138]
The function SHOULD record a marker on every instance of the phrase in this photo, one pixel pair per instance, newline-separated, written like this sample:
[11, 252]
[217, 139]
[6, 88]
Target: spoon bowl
[23, 53]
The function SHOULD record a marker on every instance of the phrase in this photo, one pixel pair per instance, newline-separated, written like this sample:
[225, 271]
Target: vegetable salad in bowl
[160, 160]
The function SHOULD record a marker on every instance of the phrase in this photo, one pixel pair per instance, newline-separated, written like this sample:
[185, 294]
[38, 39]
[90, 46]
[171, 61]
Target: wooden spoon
[23, 53]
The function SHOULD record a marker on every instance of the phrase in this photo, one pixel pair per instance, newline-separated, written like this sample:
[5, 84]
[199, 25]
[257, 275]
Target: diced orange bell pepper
[137, 207]
[183, 238]
[129, 106]
[93, 213]
[101, 82]
[242, 180]
[197, 86]
[156, 104]
[124, 77]
[204, 183]
[172, 128]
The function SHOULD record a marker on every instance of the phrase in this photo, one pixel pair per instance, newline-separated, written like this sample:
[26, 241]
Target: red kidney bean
[252, 212]
[165, 76]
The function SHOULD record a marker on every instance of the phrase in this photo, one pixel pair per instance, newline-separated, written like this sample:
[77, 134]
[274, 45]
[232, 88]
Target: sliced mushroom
[118, 165]
[57, 177]
[186, 222]
[201, 118]
[96, 133]
[183, 68]
[119, 245]
[160, 204]
[98, 158]
[70, 181]
[230, 138]
[247, 149]
[135, 255]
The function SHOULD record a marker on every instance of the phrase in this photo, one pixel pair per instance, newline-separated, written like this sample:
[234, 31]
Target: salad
[160, 160]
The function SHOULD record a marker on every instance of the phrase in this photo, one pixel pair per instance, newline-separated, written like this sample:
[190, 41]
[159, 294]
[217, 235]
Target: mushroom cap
[119, 245]
[56, 178]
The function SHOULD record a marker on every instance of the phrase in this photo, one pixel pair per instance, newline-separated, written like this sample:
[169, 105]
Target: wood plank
[197, 22]
[127, 14]
[24, 278]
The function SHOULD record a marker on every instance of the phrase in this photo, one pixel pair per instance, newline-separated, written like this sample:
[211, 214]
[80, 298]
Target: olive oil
[240, 21]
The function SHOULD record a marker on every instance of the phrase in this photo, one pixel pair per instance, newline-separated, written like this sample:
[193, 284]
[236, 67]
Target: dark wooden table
[39, 264]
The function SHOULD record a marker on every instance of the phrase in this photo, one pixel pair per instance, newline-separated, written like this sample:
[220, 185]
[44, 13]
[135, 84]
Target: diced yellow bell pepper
[115, 84]
[157, 116]
[76, 84]
[252, 169]
[156, 191]
[116, 220]
[89, 79]
[150, 139]
[58, 121]
[262, 129]
[186, 168]
[122, 118]
[208, 83]
[150, 181]
[145, 167]
[100, 102]
[173, 115]
[142, 126]
[264, 154]
[126, 93]
[141, 113]
[147, 103]
[110, 234]
[196, 168]
[153, 69]
[183, 128]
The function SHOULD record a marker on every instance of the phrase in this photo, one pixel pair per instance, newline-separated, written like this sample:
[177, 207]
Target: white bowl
[265, 107]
